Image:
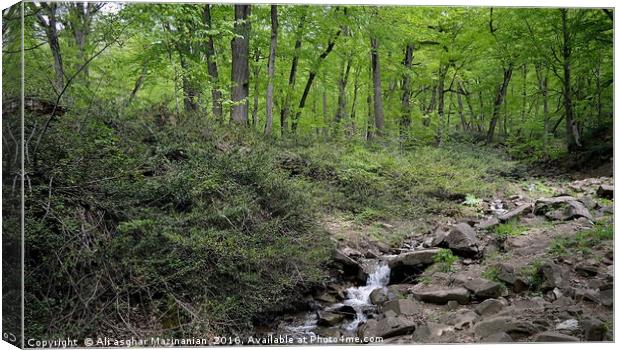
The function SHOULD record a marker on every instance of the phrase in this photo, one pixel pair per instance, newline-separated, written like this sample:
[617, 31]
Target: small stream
[357, 297]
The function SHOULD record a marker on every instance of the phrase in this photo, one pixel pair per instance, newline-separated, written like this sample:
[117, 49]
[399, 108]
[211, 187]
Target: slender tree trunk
[271, 68]
[459, 101]
[311, 77]
[189, 94]
[137, 85]
[405, 120]
[376, 82]
[431, 105]
[443, 70]
[216, 94]
[542, 84]
[50, 25]
[342, 90]
[499, 100]
[573, 141]
[370, 125]
[256, 74]
[286, 108]
[352, 115]
[240, 71]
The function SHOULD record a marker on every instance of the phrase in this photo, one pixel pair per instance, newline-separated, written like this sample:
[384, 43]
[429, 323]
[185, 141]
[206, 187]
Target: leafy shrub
[511, 228]
[445, 260]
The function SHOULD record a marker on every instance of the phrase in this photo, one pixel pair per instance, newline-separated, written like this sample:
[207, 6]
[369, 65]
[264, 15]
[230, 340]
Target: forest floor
[531, 262]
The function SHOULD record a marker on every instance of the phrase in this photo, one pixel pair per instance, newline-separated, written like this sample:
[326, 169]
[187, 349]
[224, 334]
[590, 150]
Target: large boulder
[554, 337]
[328, 319]
[350, 267]
[387, 327]
[506, 324]
[379, 296]
[553, 276]
[594, 329]
[404, 267]
[442, 296]
[506, 273]
[561, 208]
[605, 191]
[406, 307]
[489, 307]
[462, 239]
[484, 289]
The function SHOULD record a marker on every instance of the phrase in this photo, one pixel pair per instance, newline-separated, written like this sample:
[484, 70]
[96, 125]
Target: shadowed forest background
[181, 159]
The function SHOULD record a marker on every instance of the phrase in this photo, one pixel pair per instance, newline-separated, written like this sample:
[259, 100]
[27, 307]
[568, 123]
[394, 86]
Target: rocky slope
[526, 267]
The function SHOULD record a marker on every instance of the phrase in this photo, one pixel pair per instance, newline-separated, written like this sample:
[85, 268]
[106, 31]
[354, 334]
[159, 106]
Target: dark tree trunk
[256, 73]
[499, 100]
[573, 141]
[352, 116]
[189, 93]
[405, 120]
[216, 94]
[441, 93]
[376, 83]
[286, 108]
[342, 90]
[50, 24]
[271, 68]
[431, 106]
[311, 77]
[544, 91]
[240, 72]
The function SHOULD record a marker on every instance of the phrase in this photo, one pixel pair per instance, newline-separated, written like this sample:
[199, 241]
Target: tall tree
[286, 107]
[405, 119]
[271, 68]
[240, 71]
[216, 94]
[47, 18]
[573, 141]
[376, 83]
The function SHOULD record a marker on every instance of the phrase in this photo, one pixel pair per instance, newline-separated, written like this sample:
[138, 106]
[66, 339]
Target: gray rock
[561, 208]
[379, 296]
[326, 298]
[554, 337]
[350, 267]
[489, 307]
[402, 307]
[430, 331]
[442, 296]
[605, 191]
[328, 319]
[553, 276]
[453, 305]
[488, 224]
[327, 332]
[586, 270]
[415, 258]
[594, 330]
[505, 324]
[462, 319]
[499, 337]
[516, 212]
[484, 289]
[394, 326]
[462, 239]
[569, 325]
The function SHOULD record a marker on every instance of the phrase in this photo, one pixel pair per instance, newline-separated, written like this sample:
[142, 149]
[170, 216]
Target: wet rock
[554, 337]
[415, 258]
[516, 212]
[484, 289]
[326, 298]
[605, 191]
[402, 307]
[347, 311]
[553, 276]
[442, 296]
[569, 325]
[405, 267]
[328, 319]
[489, 307]
[513, 327]
[594, 330]
[379, 296]
[462, 239]
[499, 337]
[350, 267]
[327, 332]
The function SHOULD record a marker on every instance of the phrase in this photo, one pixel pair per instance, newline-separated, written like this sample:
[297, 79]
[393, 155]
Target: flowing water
[357, 297]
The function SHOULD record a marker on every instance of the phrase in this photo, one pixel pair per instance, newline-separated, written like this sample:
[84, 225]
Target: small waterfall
[359, 297]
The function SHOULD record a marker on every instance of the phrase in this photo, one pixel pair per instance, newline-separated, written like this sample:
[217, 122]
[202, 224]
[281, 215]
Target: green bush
[194, 235]
[445, 260]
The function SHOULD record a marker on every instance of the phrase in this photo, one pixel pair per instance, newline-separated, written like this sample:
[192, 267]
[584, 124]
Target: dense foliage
[178, 156]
